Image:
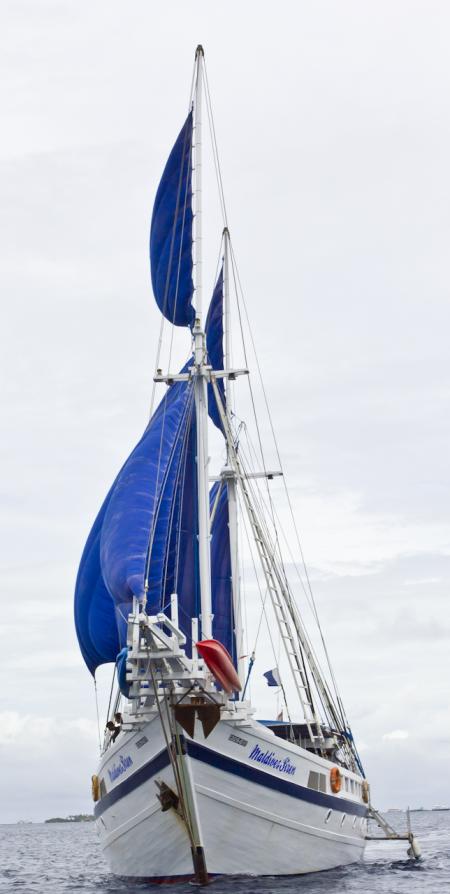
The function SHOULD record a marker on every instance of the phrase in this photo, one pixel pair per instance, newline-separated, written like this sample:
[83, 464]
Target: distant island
[76, 818]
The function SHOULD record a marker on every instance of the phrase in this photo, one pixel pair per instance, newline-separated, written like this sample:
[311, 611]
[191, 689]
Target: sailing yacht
[190, 783]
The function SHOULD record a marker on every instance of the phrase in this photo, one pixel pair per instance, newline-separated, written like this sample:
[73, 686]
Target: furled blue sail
[214, 346]
[132, 520]
[221, 581]
[171, 234]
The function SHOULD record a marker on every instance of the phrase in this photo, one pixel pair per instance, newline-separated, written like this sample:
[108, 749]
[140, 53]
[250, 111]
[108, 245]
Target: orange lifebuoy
[335, 780]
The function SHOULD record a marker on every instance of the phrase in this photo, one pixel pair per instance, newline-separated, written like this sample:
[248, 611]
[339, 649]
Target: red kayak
[220, 663]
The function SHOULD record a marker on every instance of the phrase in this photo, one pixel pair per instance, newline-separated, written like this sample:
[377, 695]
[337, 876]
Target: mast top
[199, 51]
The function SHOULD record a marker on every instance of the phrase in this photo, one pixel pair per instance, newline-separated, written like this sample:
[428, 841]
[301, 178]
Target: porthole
[328, 816]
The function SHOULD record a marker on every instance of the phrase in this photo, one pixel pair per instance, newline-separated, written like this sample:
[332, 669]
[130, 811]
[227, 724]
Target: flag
[273, 677]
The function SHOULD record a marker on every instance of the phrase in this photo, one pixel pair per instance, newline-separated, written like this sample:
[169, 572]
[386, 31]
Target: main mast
[200, 375]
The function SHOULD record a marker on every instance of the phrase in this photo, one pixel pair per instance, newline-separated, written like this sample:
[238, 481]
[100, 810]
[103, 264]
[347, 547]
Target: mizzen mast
[229, 474]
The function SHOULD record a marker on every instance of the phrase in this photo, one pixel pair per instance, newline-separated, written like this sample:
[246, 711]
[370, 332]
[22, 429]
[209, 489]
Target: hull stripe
[228, 765]
[158, 763]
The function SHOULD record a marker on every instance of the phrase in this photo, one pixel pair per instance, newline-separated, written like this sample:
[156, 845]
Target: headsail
[171, 234]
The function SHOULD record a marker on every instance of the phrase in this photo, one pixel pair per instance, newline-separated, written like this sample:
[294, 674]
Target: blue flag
[273, 677]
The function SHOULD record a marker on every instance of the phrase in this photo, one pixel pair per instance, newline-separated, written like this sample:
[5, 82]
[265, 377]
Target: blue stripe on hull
[228, 765]
[253, 774]
[158, 763]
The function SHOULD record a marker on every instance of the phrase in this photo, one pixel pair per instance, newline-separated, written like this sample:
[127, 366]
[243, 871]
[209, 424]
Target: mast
[230, 475]
[200, 375]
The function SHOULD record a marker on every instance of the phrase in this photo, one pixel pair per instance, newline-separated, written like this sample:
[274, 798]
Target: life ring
[335, 780]
[95, 782]
[365, 791]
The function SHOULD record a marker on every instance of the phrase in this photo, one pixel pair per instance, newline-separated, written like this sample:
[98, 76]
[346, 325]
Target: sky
[334, 135]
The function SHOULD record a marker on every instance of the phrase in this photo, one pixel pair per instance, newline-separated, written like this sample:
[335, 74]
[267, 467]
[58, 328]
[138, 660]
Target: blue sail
[137, 510]
[214, 346]
[221, 581]
[133, 516]
[171, 234]
[95, 616]
[181, 573]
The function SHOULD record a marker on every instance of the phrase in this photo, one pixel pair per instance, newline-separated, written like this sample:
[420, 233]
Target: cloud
[19, 729]
[396, 735]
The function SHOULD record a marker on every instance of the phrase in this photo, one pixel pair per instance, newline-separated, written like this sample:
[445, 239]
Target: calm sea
[36, 859]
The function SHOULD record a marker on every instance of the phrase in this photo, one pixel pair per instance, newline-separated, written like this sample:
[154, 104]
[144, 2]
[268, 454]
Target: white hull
[254, 818]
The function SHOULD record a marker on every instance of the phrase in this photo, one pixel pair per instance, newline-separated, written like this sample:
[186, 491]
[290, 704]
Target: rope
[98, 717]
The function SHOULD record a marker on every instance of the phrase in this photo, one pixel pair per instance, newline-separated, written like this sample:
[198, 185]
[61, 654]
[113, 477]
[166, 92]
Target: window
[346, 784]
[317, 781]
[352, 785]
[343, 819]
[313, 780]
[328, 816]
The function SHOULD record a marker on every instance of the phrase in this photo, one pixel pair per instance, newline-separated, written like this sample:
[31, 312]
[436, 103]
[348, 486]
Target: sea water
[61, 858]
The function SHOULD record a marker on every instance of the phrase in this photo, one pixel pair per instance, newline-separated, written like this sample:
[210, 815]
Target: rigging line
[172, 331]
[98, 717]
[214, 143]
[238, 282]
[182, 477]
[279, 565]
[180, 511]
[158, 495]
[236, 279]
[279, 526]
[264, 613]
[111, 692]
[257, 496]
[281, 578]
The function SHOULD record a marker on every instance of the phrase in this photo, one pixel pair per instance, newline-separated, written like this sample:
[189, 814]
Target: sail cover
[214, 346]
[171, 234]
[136, 528]
[221, 582]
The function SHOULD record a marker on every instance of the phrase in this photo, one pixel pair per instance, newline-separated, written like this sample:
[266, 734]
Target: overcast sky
[333, 126]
